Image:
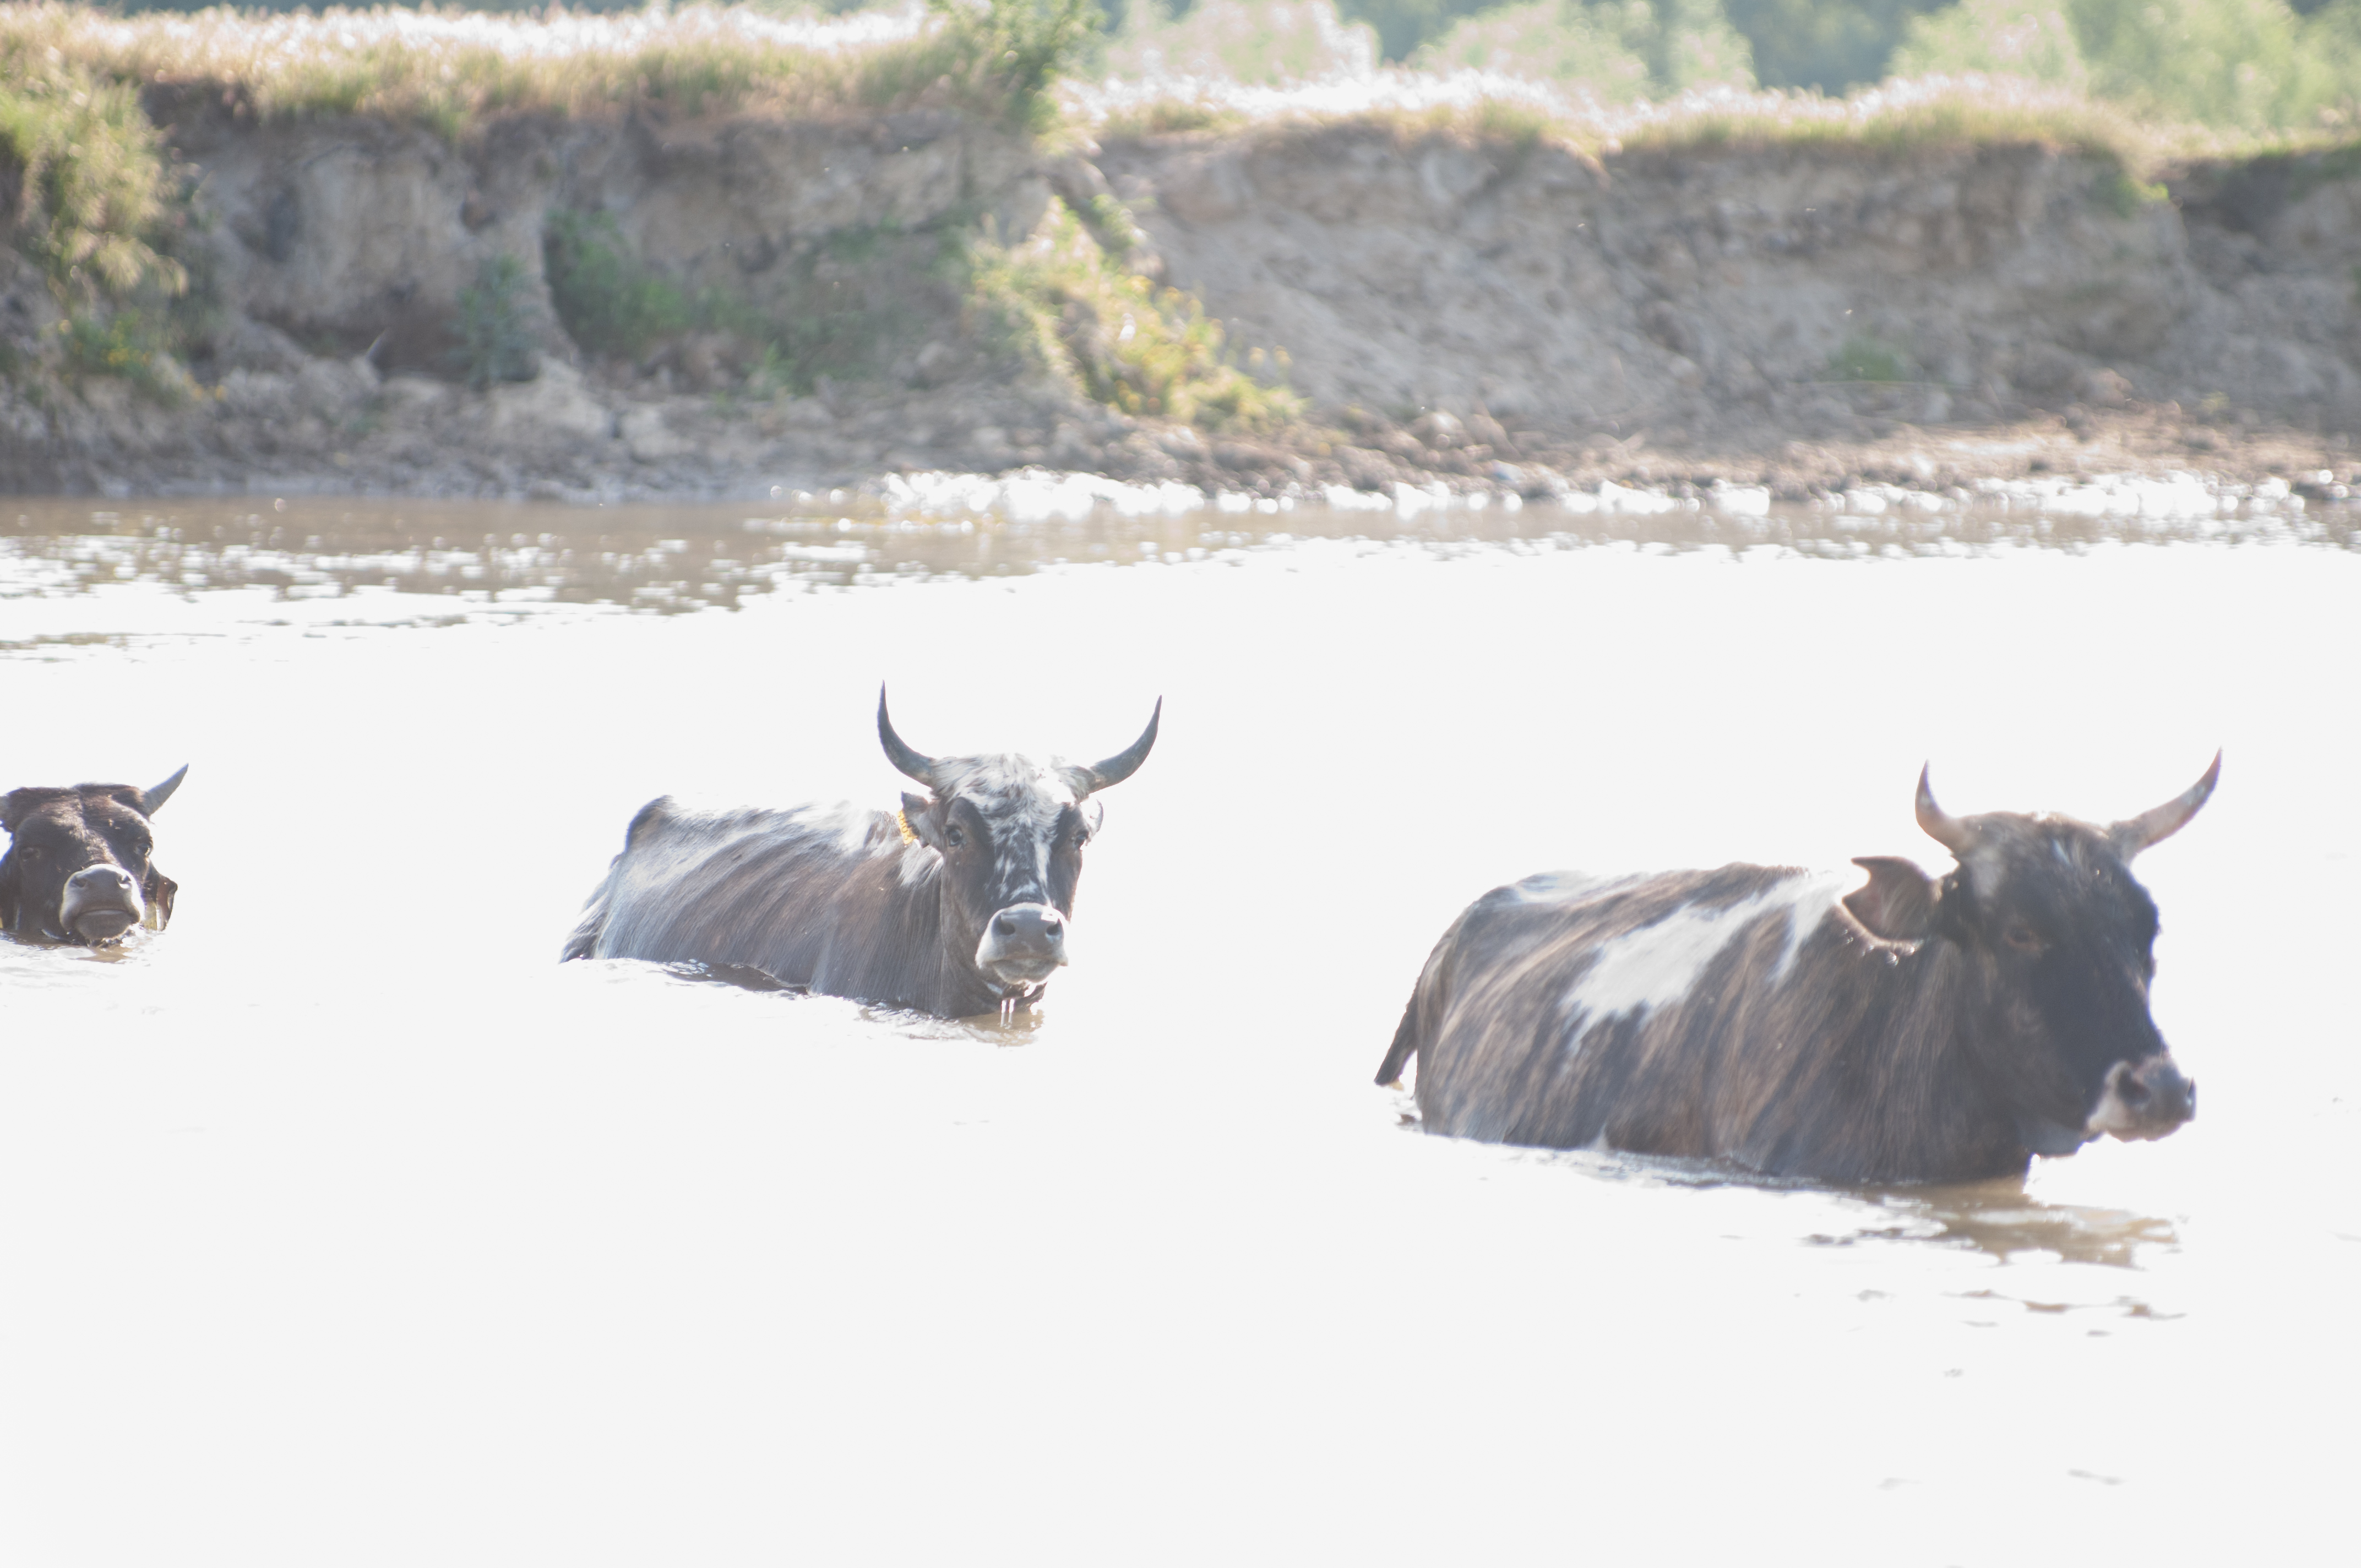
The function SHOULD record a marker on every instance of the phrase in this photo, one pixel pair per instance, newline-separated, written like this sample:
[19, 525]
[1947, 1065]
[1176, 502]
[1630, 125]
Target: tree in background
[1827, 45]
[1257, 42]
[1617, 51]
[2250, 65]
[2031, 39]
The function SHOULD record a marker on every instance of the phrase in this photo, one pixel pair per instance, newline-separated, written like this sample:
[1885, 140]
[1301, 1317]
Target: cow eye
[954, 838]
[2023, 938]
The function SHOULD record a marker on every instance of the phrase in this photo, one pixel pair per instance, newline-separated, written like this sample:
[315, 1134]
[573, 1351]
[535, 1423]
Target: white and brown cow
[1911, 1029]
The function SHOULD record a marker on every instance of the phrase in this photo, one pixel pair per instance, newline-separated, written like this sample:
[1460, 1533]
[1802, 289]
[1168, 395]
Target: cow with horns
[1912, 1029]
[79, 865]
[957, 905]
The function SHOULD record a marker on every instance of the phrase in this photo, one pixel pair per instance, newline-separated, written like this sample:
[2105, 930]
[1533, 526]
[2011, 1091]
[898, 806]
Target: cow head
[2046, 911]
[78, 867]
[1010, 832]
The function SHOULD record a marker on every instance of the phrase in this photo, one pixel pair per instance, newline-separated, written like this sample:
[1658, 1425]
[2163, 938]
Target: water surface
[340, 1223]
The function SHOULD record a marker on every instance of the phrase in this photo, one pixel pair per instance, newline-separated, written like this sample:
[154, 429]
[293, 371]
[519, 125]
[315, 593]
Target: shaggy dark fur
[79, 866]
[834, 900]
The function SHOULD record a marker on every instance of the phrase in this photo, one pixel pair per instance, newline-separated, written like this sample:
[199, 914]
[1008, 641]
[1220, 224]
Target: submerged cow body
[955, 905]
[79, 865]
[1913, 1029]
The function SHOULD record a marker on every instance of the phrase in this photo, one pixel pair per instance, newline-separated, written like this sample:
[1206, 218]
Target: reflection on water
[2000, 1219]
[674, 559]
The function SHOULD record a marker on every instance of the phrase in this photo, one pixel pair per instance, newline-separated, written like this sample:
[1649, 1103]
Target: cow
[957, 905]
[1911, 1029]
[79, 865]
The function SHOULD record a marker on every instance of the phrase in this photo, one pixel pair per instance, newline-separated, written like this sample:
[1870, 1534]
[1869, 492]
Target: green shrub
[1059, 300]
[495, 338]
[614, 306]
[608, 302]
[1015, 48]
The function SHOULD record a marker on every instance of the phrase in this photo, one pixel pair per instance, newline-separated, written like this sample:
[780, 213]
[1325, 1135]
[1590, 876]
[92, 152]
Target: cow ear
[918, 814]
[159, 891]
[1898, 904]
[1094, 816]
[13, 806]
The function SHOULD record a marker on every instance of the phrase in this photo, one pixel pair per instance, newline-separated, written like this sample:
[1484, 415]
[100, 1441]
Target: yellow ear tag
[902, 821]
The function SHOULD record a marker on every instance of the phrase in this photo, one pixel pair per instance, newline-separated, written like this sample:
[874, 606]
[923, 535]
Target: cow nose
[1023, 943]
[1033, 924]
[100, 879]
[2157, 1093]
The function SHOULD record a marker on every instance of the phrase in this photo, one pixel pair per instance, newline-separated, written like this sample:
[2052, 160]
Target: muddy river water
[340, 1224]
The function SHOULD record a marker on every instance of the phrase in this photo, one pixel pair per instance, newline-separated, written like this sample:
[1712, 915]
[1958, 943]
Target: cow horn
[1942, 826]
[151, 800]
[1123, 764]
[2136, 833]
[918, 764]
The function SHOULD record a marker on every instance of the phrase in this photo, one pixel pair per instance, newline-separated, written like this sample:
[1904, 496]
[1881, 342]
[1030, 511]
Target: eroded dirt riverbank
[1490, 315]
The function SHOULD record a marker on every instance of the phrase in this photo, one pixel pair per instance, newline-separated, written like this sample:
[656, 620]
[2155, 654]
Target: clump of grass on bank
[88, 194]
[1059, 300]
[90, 180]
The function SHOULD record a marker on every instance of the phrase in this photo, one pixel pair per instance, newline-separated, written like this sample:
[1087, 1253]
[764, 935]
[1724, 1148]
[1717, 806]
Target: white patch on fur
[2113, 1116]
[1657, 965]
[1021, 802]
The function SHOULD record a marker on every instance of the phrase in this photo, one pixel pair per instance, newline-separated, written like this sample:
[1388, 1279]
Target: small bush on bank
[1061, 302]
[608, 303]
[617, 308]
[495, 343]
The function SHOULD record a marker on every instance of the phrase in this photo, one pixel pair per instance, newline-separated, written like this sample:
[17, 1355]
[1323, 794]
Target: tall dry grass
[1940, 111]
[452, 70]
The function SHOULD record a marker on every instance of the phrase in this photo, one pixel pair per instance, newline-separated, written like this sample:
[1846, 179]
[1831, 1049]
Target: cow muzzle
[2147, 1101]
[100, 902]
[1023, 945]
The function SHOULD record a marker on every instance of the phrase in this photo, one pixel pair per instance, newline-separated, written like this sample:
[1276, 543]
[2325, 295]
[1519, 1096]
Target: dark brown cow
[79, 867]
[955, 905]
[1912, 1029]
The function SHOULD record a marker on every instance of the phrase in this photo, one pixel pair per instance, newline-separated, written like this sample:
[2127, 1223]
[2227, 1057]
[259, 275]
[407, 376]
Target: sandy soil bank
[1481, 314]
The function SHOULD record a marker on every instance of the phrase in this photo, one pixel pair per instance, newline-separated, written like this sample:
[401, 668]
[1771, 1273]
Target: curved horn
[2134, 834]
[1942, 826]
[918, 764]
[1123, 764]
[151, 800]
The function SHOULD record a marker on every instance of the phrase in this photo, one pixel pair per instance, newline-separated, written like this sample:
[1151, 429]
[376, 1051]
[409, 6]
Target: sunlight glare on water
[340, 1223]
